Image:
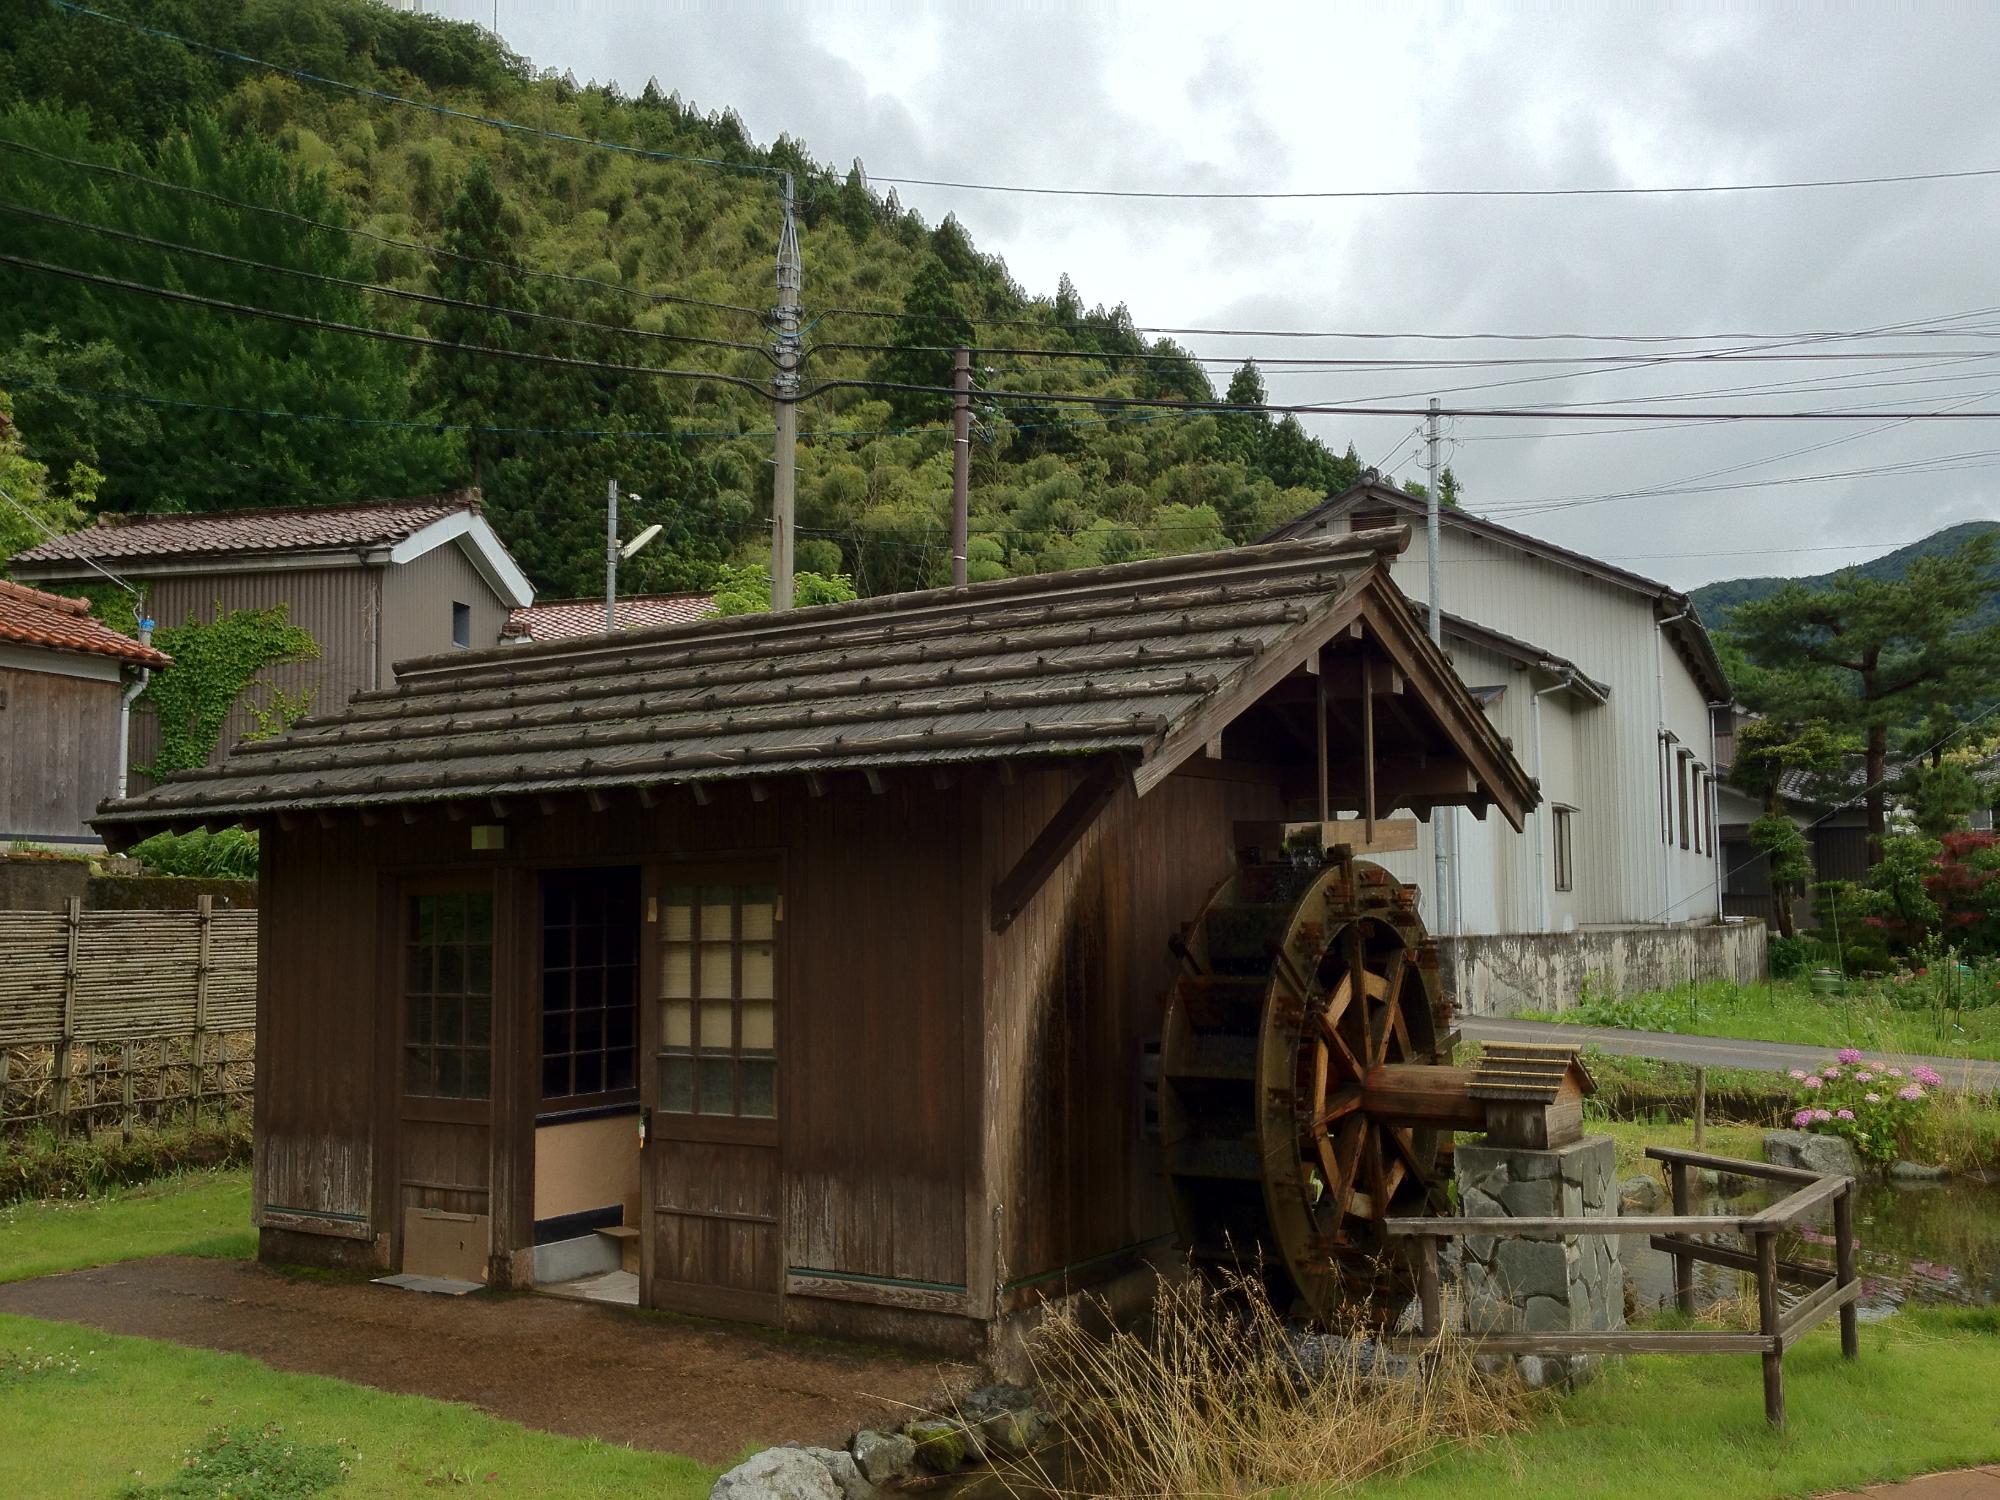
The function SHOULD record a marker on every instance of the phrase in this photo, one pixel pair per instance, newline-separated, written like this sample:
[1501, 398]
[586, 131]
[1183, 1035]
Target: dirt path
[568, 1367]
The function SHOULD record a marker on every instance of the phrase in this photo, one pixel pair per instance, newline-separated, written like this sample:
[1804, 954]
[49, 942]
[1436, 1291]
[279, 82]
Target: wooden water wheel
[1306, 1003]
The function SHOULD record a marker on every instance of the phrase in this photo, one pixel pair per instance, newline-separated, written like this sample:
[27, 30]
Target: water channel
[1917, 1244]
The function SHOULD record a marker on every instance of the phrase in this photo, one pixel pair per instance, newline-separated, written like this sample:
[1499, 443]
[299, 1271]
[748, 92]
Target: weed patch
[251, 1463]
[40, 1164]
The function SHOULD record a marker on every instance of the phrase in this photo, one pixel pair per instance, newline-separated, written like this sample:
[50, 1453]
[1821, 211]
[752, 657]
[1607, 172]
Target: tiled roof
[566, 619]
[1146, 659]
[29, 617]
[236, 532]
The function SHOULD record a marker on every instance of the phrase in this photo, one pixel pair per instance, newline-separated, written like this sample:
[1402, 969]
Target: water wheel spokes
[1296, 985]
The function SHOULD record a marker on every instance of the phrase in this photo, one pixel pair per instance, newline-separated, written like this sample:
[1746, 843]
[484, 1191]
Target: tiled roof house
[373, 584]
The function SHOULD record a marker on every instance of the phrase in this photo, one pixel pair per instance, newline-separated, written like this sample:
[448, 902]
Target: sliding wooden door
[713, 1035]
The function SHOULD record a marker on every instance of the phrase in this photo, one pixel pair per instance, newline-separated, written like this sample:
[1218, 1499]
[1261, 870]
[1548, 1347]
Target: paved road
[1712, 1051]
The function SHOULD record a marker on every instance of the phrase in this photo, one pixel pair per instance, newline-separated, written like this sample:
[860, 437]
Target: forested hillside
[1716, 600]
[135, 157]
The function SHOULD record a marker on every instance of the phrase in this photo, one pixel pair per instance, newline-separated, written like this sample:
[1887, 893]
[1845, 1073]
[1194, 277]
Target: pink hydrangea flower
[1843, 1114]
[1927, 1076]
[1850, 1055]
[1813, 1082]
[1798, 1075]
[1872, 1098]
[1803, 1118]
[1821, 1116]
[1894, 1072]
[1911, 1092]
[1829, 1072]
[1864, 1076]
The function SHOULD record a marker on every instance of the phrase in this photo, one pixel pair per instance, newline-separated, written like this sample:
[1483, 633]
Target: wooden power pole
[961, 460]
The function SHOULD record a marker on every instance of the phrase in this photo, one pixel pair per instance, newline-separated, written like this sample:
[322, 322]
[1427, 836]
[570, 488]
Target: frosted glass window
[677, 971]
[718, 976]
[757, 971]
[678, 917]
[719, 1010]
[758, 1029]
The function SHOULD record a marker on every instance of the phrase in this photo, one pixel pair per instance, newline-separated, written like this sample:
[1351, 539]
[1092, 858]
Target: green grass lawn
[89, 1414]
[196, 1213]
[1919, 1399]
[1745, 1142]
[1789, 1011]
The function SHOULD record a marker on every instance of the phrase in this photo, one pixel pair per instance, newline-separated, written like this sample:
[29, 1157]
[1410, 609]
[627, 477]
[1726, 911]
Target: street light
[613, 552]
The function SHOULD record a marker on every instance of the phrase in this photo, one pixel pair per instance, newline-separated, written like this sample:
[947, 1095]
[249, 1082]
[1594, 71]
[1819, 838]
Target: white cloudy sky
[1326, 96]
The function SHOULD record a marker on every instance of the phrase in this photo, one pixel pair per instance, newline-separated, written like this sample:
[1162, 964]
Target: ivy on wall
[215, 665]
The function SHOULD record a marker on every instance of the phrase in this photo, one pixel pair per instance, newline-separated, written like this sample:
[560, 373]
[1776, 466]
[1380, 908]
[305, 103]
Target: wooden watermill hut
[815, 956]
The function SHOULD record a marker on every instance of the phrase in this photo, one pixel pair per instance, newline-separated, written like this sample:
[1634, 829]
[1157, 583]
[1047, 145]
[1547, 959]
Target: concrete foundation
[1502, 973]
[1541, 1284]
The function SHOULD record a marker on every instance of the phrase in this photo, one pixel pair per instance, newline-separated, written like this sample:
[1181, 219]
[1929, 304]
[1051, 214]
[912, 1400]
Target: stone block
[883, 1457]
[1828, 1155]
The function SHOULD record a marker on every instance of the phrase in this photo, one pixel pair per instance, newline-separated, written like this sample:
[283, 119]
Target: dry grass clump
[1215, 1399]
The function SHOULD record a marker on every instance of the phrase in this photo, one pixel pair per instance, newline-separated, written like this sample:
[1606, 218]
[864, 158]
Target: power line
[1280, 195]
[54, 535]
[387, 335]
[1282, 364]
[381, 239]
[1078, 326]
[362, 91]
[428, 299]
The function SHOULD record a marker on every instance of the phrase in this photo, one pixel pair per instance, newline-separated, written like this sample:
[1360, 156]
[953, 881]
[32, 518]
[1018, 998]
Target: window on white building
[1564, 850]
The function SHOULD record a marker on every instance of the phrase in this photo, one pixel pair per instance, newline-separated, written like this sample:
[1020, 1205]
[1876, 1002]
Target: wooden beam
[942, 777]
[498, 806]
[455, 811]
[759, 791]
[649, 796]
[700, 790]
[1053, 844]
[548, 805]
[1367, 759]
[815, 784]
[326, 818]
[410, 816]
[874, 779]
[597, 800]
[370, 818]
[286, 822]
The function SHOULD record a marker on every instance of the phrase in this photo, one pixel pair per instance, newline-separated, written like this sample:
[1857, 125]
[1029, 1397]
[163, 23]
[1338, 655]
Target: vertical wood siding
[870, 1175]
[58, 753]
[1074, 989]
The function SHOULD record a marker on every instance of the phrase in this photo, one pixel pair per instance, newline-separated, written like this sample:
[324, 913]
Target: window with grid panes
[448, 997]
[718, 1019]
[590, 987]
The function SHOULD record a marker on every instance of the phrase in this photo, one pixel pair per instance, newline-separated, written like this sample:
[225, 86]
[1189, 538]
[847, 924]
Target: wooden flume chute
[1305, 1079]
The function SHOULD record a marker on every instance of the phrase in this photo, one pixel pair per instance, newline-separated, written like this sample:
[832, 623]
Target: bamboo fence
[115, 1017]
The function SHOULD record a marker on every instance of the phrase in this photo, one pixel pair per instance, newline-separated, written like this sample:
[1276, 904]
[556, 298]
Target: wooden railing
[1778, 1327]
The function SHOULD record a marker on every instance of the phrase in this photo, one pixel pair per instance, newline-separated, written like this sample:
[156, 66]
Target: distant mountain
[1715, 600]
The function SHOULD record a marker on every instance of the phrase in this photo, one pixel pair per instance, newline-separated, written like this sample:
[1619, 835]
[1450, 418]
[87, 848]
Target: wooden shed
[822, 948]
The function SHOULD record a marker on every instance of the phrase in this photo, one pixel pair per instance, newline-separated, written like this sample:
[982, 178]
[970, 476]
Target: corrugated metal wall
[1601, 759]
[336, 605]
[420, 594]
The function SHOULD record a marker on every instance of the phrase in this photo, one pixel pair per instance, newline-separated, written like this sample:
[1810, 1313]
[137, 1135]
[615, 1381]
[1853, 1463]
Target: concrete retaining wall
[1501, 974]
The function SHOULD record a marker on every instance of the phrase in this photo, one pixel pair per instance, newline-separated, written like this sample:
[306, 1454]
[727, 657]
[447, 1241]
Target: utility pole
[1444, 824]
[611, 555]
[961, 460]
[784, 391]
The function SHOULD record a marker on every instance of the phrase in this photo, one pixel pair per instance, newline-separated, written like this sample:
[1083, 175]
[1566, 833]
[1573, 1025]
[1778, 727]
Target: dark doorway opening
[586, 1142]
